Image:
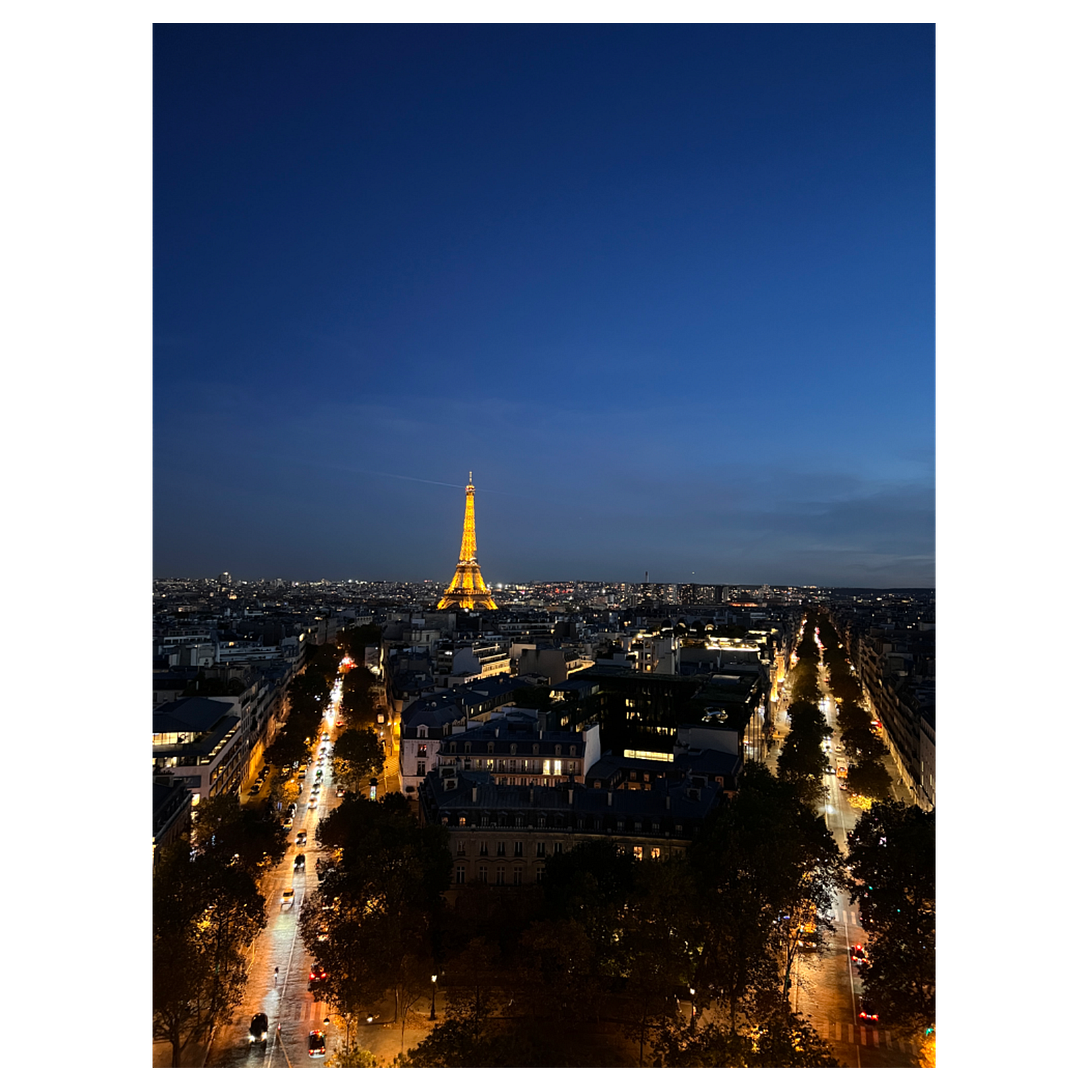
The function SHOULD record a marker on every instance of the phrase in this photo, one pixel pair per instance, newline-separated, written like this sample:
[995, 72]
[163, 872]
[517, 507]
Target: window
[461, 847]
[656, 826]
[483, 847]
[536, 748]
[541, 822]
[468, 748]
[519, 821]
[500, 876]
[573, 751]
[482, 874]
[633, 774]
[517, 875]
[541, 848]
[620, 825]
[461, 821]
[518, 849]
[421, 769]
[547, 768]
[490, 764]
[558, 751]
[638, 853]
[513, 748]
[558, 847]
[500, 848]
[656, 853]
[484, 820]
[491, 748]
[678, 828]
[539, 874]
[421, 750]
[460, 875]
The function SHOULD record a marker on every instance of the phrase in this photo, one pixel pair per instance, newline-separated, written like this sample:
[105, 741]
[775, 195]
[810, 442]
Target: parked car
[301, 837]
[298, 863]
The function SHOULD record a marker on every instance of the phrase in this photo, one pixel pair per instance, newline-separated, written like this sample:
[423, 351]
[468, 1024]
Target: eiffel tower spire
[467, 590]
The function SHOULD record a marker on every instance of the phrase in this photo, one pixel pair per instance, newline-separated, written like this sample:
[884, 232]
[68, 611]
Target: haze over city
[667, 291]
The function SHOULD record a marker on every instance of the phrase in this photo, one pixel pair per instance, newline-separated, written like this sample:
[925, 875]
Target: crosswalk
[840, 1031]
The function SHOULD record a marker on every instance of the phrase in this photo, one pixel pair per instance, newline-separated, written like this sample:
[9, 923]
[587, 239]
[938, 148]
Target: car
[318, 774]
[858, 955]
[301, 837]
[318, 974]
[298, 863]
[829, 770]
[292, 808]
[340, 792]
[316, 1044]
[287, 824]
[339, 723]
[313, 803]
[867, 1011]
[258, 1028]
[287, 898]
[255, 790]
[316, 788]
[326, 736]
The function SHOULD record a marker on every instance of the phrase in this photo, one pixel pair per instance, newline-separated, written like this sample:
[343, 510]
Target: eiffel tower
[468, 590]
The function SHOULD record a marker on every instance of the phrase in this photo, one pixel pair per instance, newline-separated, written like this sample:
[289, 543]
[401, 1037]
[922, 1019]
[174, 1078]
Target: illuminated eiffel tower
[468, 590]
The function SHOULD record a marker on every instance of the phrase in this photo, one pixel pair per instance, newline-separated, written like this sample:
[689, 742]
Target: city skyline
[668, 291]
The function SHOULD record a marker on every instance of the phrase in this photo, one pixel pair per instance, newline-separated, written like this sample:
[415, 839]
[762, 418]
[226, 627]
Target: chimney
[532, 791]
[474, 793]
[570, 795]
[610, 796]
[667, 802]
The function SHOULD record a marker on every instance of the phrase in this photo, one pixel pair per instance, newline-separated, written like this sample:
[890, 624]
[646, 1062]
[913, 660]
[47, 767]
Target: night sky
[668, 291]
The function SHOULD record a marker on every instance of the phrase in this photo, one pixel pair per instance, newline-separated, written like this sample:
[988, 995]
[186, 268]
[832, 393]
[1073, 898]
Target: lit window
[656, 853]
[461, 821]
[638, 853]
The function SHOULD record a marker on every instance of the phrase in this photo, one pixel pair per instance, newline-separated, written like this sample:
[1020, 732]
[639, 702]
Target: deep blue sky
[667, 290]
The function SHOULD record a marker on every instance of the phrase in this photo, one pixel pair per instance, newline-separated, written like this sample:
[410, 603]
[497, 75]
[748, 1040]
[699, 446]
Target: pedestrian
[275, 976]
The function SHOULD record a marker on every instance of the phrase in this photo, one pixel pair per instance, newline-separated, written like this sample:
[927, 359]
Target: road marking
[862, 1035]
[875, 1034]
[850, 1033]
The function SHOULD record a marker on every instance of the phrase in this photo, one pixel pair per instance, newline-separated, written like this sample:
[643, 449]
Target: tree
[802, 760]
[234, 832]
[891, 857]
[358, 755]
[782, 1039]
[353, 1057]
[870, 778]
[206, 912]
[708, 1046]
[373, 924]
[862, 742]
[761, 864]
[591, 884]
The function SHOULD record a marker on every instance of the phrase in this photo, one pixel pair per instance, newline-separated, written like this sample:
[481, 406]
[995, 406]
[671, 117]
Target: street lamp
[693, 1011]
[434, 979]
